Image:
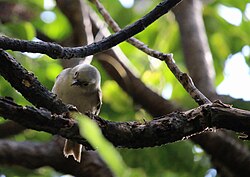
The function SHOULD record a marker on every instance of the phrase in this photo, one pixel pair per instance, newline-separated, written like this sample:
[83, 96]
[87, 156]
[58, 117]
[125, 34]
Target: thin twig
[183, 78]
[185, 81]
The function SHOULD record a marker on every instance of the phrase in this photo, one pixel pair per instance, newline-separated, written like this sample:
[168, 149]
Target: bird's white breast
[75, 95]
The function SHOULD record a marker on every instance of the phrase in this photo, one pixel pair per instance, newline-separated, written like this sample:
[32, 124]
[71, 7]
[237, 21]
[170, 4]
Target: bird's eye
[76, 74]
[86, 84]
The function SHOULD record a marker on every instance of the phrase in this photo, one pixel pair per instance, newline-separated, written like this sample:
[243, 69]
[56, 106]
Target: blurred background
[225, 27]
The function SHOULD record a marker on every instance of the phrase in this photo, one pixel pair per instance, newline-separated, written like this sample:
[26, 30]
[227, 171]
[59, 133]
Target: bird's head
[86, 76]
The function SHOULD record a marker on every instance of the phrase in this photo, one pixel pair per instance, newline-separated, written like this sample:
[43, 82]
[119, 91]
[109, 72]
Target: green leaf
[113, 95]
[90, 130]
[218, 42]
[23, 30]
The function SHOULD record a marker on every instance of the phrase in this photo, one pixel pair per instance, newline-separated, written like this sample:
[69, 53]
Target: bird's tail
[72, 148]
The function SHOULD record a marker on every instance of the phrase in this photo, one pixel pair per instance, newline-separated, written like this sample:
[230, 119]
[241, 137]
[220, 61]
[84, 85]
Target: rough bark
[28, 85]
[150, 107]
[166, 129]
[34, 155]
[236, 163]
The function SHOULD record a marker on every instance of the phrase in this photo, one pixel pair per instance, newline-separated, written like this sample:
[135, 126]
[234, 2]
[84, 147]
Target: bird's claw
[72, 107]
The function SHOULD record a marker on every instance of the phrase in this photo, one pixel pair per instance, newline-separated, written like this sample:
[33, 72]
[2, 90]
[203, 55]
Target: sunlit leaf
[23, 30]
[113, 95]
[90, 130]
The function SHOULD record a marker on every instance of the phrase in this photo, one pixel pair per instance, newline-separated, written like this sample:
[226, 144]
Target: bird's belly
[83, 102]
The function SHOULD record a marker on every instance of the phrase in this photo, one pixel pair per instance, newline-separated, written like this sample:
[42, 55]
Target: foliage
[178, 159]
[90, 130]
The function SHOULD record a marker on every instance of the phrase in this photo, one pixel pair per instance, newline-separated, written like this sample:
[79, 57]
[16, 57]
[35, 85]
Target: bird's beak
[75, 82]
[79, 83]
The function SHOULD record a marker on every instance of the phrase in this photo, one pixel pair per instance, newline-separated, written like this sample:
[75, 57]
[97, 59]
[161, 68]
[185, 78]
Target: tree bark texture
[35, 155]
[166, 129]
[28, 85]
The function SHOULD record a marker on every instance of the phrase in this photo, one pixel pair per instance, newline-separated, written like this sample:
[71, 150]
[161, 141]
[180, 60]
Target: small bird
[79, 86]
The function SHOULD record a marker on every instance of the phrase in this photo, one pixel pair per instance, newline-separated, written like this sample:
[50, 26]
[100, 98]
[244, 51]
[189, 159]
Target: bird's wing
[61, 79]
[99, 97]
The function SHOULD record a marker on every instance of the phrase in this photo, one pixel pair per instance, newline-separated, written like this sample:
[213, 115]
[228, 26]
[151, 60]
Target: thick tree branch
[35, 155]
[41, 120]
[151, 52]
[197, 54]
[57, 51]
[236, 162]
[198, 58]
[166, 129]
[28, 85]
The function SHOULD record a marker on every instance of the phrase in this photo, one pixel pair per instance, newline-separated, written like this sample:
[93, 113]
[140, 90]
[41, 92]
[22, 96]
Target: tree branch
[35, 155]
[57, 51]
[198, 58]
[197, 54]
[114, 61]
[128, 81]
[240, 164]
[183, 78]
[28, 85]
[81, 33]
[115, 27]
[127, 87]
[41, 120]
[166, 129]
[68, 8]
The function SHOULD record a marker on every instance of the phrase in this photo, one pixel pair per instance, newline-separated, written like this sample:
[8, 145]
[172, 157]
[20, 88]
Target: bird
[79, 86]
